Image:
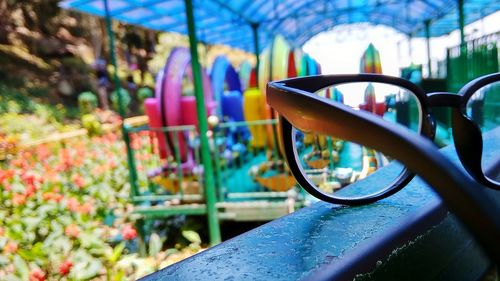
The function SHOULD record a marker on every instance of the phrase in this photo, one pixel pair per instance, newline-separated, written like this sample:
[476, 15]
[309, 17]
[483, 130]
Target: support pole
[463, 45]
[210, 196]
[121, 109]
[410, 50]
[255, 32]
[428, 41]
[461, 21]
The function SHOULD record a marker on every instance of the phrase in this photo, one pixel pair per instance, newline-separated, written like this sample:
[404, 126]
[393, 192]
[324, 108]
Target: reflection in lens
[343, 169]
[483, 107]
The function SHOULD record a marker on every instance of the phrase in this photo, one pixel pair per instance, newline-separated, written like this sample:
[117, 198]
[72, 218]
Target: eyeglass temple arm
[463, 196]
[318, 82]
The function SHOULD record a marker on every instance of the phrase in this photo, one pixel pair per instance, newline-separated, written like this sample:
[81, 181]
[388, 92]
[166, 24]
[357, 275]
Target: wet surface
[293, 246]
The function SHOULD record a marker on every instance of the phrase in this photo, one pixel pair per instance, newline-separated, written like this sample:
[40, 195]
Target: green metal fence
[170, 179]
[471, 60]
[249, 168]
[252, 181]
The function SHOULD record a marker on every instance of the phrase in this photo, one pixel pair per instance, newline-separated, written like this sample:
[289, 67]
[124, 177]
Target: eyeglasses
[332, 148]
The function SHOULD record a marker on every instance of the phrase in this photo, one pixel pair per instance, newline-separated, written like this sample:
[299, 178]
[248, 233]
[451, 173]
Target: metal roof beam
[367, 15]
[249, 21]
[315, 12]
[135, 5]
[292, 18]
[230, 9]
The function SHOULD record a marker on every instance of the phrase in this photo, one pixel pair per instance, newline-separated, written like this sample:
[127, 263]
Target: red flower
[85, 208]
[27, 155]
[78, 180]
[135, 143]
[19, 162]
[72, 204]
[31, 178]
[139, 167]
[66, 160]
[6, 175]
[18, 199]
[29, 190]
[65, 267]
[10, 247]
[2, 231]
[37, 275]
[7, 187]
[42, 152]
[71, 230]
[47, 196]
[129, 232]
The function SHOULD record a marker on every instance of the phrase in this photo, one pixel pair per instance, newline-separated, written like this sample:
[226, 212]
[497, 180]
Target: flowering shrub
[24, 119]
[57, 205]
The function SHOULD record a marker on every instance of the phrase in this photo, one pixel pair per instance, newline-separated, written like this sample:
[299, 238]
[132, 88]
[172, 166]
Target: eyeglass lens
[337, 167]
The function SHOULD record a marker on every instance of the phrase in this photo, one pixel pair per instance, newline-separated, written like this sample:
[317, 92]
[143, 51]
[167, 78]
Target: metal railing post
[255, 31]
[461, 20]
[213, 221]
[121, 108]
[428, 43]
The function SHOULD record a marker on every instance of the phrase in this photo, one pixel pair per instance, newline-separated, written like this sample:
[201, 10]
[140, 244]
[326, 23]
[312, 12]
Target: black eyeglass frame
[296, 104]
[467, 135]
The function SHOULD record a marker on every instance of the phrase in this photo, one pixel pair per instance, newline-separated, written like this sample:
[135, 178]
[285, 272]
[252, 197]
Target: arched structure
[224, 79]
[170, 107]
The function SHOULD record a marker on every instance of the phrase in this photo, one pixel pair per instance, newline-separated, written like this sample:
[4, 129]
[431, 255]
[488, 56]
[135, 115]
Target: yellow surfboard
[252, 111]
[281, 49]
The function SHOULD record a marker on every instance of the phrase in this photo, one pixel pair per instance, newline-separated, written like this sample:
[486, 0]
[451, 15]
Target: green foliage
[49, 190]
[54, 202]
[144, 93]
[23, 101]
[125, 97]
[29, 127]
[191, 236]
[13, 101]
[23, 120]
[117, 253]
[92, 124]
[155, 244]
[194, 238]
[87, 102]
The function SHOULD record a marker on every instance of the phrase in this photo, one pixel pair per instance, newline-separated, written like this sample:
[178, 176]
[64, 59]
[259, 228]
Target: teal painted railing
[245, 163]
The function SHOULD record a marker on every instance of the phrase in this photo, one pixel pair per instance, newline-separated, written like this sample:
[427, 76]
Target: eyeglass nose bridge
[444, 99]
[468, 143]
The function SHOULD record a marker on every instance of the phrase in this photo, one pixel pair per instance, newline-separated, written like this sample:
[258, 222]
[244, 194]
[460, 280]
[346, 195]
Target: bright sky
[339, 50]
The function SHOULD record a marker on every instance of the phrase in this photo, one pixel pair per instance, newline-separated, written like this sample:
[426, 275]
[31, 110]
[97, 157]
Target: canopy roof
[229, 21]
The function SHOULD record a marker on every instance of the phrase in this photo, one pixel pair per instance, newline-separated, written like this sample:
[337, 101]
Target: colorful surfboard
[253, 110]
[244, 72]
[370, 61]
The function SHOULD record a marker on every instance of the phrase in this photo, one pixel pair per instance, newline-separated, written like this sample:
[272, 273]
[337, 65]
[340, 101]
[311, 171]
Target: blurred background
[110, 170]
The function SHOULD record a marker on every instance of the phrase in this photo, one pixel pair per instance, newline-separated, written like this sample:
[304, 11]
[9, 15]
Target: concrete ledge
[408, 236]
